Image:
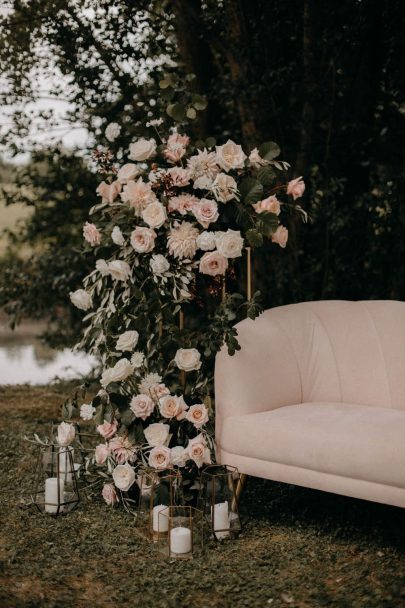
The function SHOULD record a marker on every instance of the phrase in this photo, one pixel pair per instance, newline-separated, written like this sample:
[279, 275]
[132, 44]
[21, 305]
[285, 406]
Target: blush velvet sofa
[316, 397]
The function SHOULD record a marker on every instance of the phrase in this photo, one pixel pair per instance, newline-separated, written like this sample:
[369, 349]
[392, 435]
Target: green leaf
[167, 94]
[177, 111]
[191, 113]
[251, 190]
[267, 223]
[269, 150]
[210, 142]
[267, 176]
[127, 417]
[163, 84]
[199, 102]
[255, 239]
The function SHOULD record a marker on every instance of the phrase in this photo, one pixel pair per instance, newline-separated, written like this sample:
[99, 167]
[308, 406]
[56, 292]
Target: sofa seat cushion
[356, 441]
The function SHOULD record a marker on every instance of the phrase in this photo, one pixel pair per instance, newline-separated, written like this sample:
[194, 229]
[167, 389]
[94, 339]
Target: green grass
[299, 547]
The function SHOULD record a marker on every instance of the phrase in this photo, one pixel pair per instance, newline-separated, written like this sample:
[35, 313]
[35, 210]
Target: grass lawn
[299, 548]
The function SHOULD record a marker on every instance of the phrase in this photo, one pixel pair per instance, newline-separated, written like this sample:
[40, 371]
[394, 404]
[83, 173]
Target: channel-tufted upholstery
[316, 397]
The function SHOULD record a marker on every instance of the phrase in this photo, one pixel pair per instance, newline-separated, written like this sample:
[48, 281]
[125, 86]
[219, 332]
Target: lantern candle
[54, 494]
[221, 520]
[180, 540]
[65, 463]
[159, 522]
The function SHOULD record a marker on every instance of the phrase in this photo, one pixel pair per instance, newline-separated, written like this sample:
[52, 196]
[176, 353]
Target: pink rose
[270, 204]
[123, 450]
[143, 239]
[213, 263]
[280, 236]
[101, 453]
[160, 457]
[296, 187]
[108, 429]
[109, 494]
[142, 406]
[173, 407]
[158, 390]
[206, 212]
[109, 192]
[198, 415]
[182, 204]
[91, 234]
[198, 451]
[180, 177]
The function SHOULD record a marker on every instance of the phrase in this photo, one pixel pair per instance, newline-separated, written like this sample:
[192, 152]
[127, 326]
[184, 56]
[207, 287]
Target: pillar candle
[160, 523]
[221, 520]
[180, 540]
[51, 494]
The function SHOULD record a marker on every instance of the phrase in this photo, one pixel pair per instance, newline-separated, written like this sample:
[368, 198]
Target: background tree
[324, 79]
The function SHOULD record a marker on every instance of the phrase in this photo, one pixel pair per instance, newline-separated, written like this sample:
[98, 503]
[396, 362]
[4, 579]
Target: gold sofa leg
[239, 487]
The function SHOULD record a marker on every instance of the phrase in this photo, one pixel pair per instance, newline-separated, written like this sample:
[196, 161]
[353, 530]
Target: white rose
[159, 265]
[230, 156]
[206, 212]
[142, 149]
[206, 241]
[123, 476]
[156, 434]
[117, 237]
[127, 341]
[142, 406]
[121, 370]
[179, 456]
[229, 243]
[112, 131]
[224, 188]
[143, 239]
[87, 411]
[66, 433]
[81, 299]
[188, 359]
[154, 215]
[160, 457]
[121, 271]
[203, 183]
[127, 173]
[102, 267]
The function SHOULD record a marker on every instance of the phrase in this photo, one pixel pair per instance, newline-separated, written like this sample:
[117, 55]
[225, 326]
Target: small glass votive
[56, 490]
[181, 532]
[218, 500]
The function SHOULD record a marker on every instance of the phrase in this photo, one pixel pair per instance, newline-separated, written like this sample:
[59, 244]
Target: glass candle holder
[56, 490]
[182, 534]
[218, 501]
[157, 490]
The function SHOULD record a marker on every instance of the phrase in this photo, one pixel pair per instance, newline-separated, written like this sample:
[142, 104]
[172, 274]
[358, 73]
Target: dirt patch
[299, 548]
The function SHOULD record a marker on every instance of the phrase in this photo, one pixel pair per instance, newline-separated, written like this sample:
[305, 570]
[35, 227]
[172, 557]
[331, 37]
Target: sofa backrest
[331, 350]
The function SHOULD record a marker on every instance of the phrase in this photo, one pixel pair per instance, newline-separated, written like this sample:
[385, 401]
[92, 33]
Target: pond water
[25, 359]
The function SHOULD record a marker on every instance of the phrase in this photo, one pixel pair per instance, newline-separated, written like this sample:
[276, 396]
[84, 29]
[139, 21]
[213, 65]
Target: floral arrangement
[171, 224]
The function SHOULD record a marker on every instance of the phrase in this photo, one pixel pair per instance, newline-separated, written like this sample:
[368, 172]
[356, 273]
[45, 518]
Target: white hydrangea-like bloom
[112, 131]
[206, 241]
[137, 359]
[182, 240]
[87, 411]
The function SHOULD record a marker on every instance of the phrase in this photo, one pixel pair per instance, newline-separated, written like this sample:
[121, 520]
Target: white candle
[160, 523]
[180, 540]
[52, 500]
[221, 520]
[65, 464]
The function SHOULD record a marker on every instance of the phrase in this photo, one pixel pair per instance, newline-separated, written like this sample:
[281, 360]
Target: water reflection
[24, 359]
